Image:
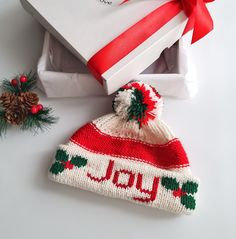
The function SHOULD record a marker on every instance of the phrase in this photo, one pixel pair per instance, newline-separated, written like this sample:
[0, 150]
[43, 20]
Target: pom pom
[138, 102]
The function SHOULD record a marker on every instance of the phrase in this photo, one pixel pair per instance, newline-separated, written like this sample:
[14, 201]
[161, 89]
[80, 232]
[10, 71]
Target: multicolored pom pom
[138, 102]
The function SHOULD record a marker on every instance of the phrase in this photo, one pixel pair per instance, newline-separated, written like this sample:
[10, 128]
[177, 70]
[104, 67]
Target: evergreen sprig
[40, 121]
[7, 87]
[31, 83]
[21, 107]
[27, 86]
[3, 123]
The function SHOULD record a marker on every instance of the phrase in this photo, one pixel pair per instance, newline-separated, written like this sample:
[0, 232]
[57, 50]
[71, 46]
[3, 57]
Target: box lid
[86, 27]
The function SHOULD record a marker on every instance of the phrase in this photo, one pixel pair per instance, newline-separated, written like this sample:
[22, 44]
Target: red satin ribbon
[199, 20]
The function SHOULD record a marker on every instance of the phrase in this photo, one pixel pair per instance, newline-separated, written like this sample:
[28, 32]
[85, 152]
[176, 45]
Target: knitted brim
[130, 175]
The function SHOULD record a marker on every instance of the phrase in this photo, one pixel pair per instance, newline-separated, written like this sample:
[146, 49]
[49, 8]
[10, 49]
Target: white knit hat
[130, 154]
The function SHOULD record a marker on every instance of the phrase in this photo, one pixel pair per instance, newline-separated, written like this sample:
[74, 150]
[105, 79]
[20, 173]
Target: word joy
[130, 182]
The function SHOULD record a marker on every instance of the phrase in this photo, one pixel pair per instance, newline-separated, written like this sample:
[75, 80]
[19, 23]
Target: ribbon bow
[200, 20]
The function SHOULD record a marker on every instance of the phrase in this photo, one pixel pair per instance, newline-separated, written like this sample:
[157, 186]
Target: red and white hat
[129, 154]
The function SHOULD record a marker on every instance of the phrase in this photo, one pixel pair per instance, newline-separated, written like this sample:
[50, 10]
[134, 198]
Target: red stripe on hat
[166, 156]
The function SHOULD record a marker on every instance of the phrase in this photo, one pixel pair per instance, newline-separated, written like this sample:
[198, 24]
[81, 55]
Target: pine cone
[8, 99]
[16, 114]
[29, 99]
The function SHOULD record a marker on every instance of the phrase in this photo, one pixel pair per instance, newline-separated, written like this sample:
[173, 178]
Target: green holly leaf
[188, 201]
[190, 187]
[62, 156]
[57, 168]
[170, 183]
[78, 161]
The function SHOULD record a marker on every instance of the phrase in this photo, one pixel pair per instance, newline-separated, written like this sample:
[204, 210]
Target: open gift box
[120, 40]
[61, 74]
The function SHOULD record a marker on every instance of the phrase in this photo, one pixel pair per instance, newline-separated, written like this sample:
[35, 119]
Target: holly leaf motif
[78, 161]
[170, 183]
[57, 168]
[188, 201]
[190, 187]
[62, 156]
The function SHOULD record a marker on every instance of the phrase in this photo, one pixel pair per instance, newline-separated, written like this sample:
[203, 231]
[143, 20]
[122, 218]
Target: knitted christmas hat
[129, 154]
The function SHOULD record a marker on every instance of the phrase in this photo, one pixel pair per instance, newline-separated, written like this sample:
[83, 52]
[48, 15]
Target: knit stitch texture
[129, 154]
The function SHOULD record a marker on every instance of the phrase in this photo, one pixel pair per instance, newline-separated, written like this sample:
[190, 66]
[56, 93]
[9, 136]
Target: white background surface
[31, 206]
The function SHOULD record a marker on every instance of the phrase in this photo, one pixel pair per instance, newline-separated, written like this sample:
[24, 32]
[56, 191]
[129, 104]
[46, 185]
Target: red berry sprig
[19, 105]
[40, 107]
[23, 79]
[14, 82]
[36, 108]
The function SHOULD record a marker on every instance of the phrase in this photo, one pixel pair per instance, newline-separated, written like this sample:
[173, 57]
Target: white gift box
[90, 29]
[61, 74]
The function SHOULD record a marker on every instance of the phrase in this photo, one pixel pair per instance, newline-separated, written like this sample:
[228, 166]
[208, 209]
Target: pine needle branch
[41, 121]
[30, 118]
[31, 82]
[8, 87]
[29, 85]
[3, 124]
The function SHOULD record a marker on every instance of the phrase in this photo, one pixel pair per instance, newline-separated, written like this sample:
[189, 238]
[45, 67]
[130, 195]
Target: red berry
[178, 193]
[34, 109]
[68, 165]
[23, 79]
[14, 82]
[40, 107]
